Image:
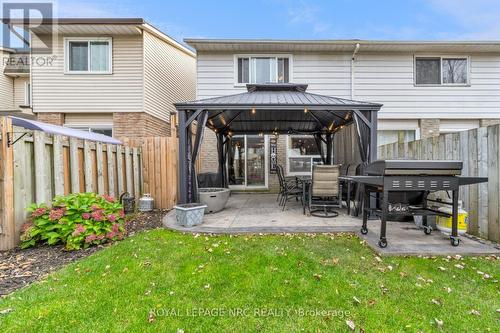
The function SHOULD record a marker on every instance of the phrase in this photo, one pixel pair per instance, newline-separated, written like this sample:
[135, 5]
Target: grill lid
[415, 167]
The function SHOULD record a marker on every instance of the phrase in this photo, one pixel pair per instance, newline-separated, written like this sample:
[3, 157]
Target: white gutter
[353, 59]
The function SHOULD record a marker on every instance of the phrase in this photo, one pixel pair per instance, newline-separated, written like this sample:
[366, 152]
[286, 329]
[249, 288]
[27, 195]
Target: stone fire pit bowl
[215, 198]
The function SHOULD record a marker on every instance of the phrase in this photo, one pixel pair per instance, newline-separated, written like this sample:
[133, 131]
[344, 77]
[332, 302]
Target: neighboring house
[426, 88]
[15, 98]
[113, 76]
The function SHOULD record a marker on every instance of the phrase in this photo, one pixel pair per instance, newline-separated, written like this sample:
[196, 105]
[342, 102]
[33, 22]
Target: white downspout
[353, 58]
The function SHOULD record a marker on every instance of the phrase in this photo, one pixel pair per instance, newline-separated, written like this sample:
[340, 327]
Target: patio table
[306, 182]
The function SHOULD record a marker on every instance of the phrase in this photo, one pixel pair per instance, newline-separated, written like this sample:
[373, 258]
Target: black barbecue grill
[401, 188]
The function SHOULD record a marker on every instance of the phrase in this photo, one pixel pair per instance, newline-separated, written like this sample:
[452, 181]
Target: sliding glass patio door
[248, 162]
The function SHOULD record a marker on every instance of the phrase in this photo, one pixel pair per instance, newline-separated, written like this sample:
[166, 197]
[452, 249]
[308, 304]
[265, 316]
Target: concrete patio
[260, 213]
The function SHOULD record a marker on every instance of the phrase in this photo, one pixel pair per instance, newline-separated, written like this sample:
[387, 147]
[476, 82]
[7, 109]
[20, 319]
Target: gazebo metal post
[373, 136]
[329, 145]
[189, 153]
[183, 152]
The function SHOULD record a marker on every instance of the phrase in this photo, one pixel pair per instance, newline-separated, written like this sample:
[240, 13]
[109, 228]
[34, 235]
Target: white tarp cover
[61, 130]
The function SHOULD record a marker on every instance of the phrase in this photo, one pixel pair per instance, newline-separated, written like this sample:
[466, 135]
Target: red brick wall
[54, 118]
[138, 124]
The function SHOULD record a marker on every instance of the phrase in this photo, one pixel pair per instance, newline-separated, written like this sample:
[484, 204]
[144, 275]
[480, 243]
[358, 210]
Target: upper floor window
[441, 71]
[263, 69]
[88, 56]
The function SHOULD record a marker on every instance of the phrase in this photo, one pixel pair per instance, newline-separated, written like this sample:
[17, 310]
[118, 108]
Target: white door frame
[266, 167]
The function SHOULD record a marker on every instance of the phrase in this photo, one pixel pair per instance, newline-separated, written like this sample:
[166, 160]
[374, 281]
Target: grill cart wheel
[427, 230]
[364, 231]
[382, 243]
[454, 241]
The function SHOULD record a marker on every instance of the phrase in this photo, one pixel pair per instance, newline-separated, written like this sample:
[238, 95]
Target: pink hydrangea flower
[116, 227]
[112, 217]
[39, 212]
[56, 214]
[86, 216]
[97, 215]
[109, 198]
[122, 213]
[111, 235]
[26, 226]
[100, 237]
[90, 238]
[78, 230]
[95, 207]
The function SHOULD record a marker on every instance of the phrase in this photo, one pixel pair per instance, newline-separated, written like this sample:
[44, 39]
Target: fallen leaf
[390, 267]
[448, 289]
[378, 259]
[442, 268]
[459, 266]
[5, 311]
[151, 317]
[356, 300]
[317, 276]
[125, 270]
[350, 324]
[436, 301]
[474, 312]
[107, 267]
[207, 286]
[371, 302]
[439, 322]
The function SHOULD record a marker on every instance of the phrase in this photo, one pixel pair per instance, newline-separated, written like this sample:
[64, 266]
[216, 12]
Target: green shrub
[76, 220]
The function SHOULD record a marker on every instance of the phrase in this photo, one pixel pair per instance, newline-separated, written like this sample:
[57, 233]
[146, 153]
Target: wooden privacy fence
[38, 167]
[159, 156]
[479, 150]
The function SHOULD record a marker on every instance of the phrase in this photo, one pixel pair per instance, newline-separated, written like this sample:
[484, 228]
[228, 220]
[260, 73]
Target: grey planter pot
[191, 214]
[215, 198]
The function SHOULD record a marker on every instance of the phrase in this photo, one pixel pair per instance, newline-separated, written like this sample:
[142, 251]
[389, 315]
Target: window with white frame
[101, 129]
[441, 70]
[88, 55]
[301, 154]
[262, 69]
[27, 94]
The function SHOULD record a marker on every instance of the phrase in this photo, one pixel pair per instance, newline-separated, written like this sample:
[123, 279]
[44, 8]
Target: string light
[254, 111]
[330, 128]
[305, 110]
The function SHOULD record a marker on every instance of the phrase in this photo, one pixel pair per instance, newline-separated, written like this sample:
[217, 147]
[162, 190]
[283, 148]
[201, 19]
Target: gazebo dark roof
[277, 108]
[277, 95]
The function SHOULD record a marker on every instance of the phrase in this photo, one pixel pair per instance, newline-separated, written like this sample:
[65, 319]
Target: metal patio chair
[289, 189]
[325, 192]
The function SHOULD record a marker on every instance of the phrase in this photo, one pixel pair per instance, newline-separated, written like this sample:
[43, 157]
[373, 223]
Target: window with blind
[263, 69]
[88, 56]
[441, 71]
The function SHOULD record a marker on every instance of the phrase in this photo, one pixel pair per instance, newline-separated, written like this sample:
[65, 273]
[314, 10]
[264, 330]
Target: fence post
[40, 168]
[7, 224]
[111, 170]
[73, 162]
[99, 168]
[57, 158]
[483, 161]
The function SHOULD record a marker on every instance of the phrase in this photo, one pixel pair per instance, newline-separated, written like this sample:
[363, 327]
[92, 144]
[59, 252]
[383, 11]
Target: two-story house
[426, 88]
[113, 76]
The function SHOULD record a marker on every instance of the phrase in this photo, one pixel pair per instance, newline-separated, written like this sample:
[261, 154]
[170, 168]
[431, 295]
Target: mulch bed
[19, 268]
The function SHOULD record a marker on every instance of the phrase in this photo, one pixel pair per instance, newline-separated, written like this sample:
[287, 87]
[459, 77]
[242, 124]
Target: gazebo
[275, 108]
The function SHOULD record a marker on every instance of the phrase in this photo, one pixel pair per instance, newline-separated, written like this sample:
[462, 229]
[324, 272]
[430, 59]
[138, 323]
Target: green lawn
[167, 281]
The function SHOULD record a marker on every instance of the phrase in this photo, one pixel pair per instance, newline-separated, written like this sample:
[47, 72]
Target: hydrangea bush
[76, 220]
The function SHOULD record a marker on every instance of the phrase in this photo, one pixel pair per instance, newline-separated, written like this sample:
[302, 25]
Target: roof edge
[338, 41]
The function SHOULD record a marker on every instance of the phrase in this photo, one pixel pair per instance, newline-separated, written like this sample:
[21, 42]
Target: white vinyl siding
[383, 78]
[388, 79]
[169, 77]
[325, 73]
[6, 87]
[20, 85]
[122, 91]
